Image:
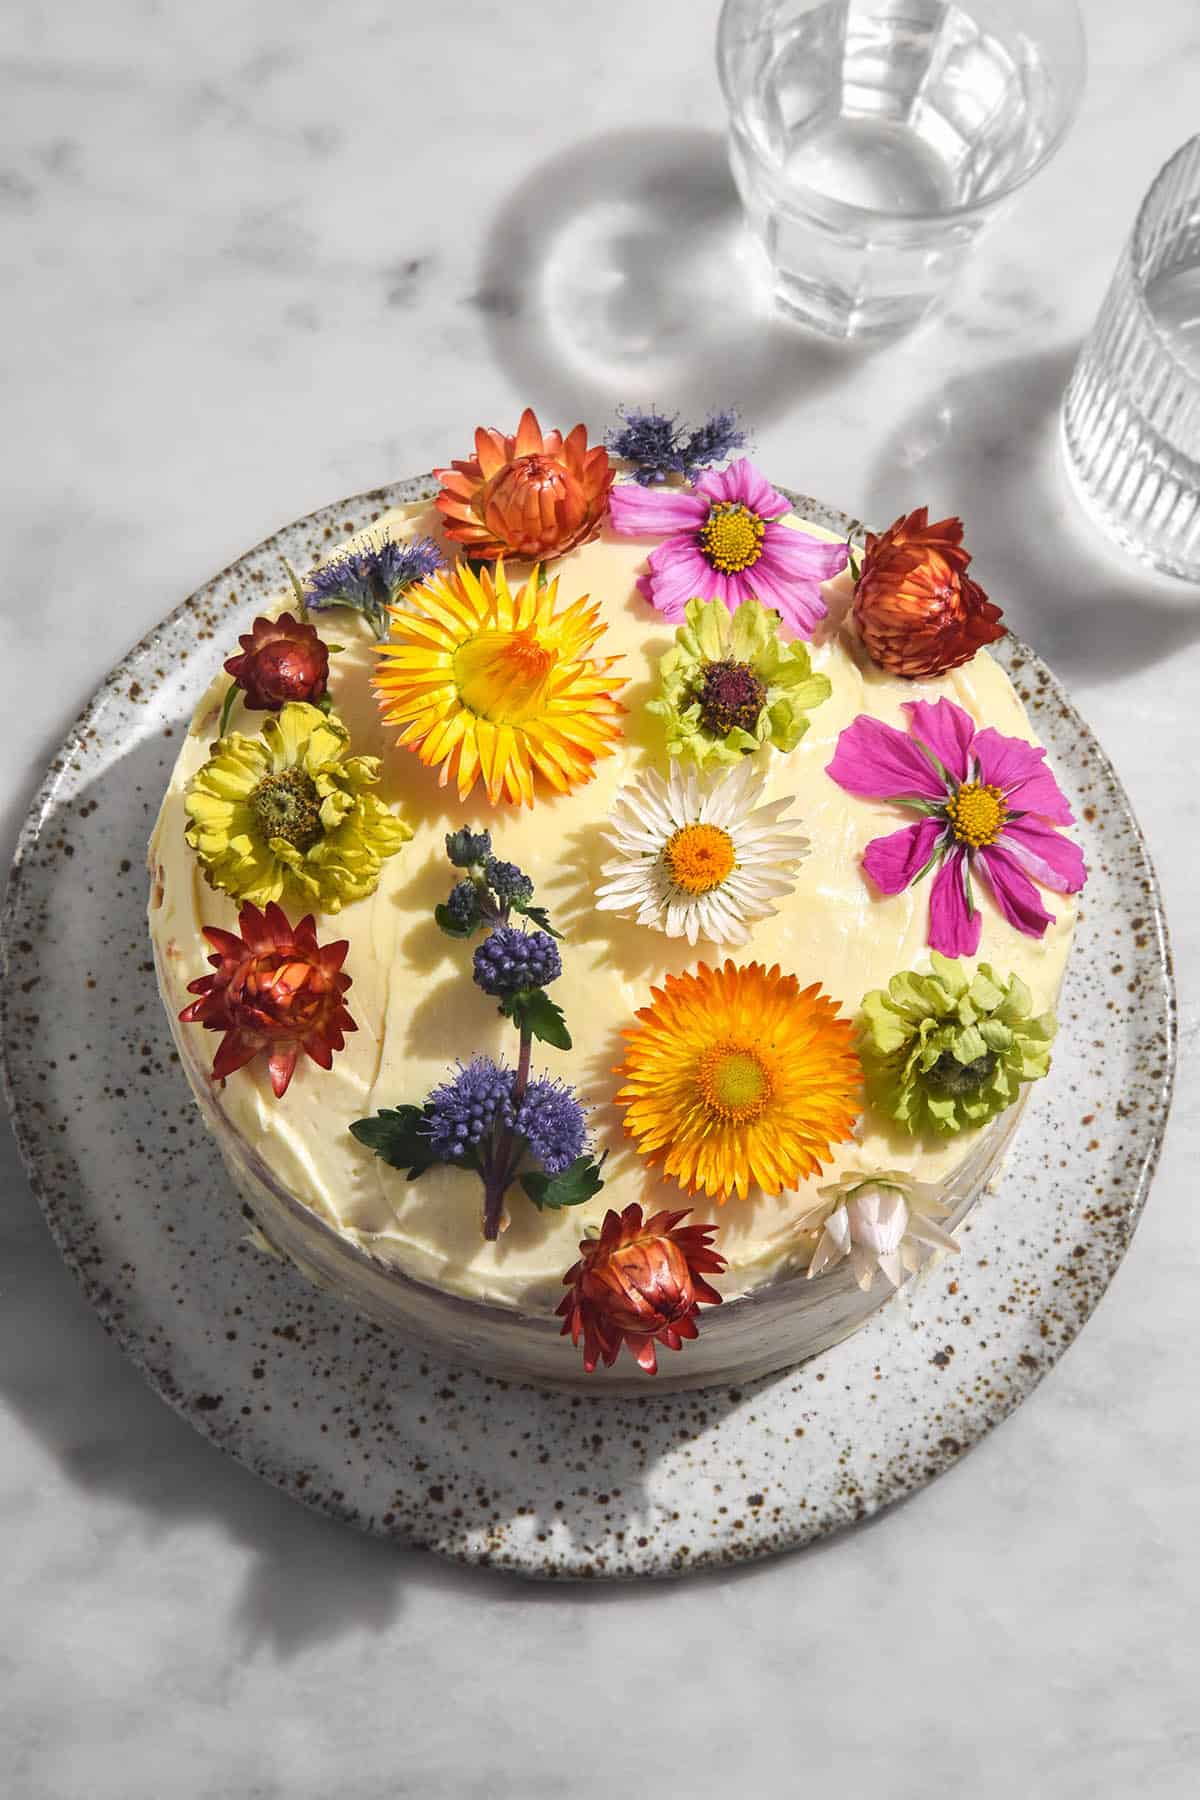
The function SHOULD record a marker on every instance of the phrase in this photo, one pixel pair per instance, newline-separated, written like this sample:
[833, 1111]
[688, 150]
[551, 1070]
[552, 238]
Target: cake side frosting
[416, 1012]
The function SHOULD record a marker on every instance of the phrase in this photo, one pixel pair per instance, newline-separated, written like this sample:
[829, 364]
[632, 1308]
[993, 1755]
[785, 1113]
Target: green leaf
[538, 914]
[450, 925]
[570, 1188]
[534, 1011]
[395, 1136]
[226, 709]
[297, 588]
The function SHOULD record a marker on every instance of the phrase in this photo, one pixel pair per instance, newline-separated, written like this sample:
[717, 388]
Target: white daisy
[885, 1221]
[696, 857]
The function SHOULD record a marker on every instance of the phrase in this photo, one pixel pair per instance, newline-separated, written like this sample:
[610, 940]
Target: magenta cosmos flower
[989, 806]
[725, 541]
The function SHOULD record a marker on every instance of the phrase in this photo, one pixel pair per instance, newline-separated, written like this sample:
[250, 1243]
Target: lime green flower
[287, 813]
[729, 685]
[947, 1051]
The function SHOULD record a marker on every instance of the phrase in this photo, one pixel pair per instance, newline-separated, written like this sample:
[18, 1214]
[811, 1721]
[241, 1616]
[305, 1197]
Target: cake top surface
[760, 833]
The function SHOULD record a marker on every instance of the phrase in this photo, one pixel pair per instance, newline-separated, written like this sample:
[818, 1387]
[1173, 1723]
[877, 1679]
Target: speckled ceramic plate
[389, 1440]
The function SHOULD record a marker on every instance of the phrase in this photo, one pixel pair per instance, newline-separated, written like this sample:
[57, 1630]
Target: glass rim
[1141, 226]
[944, 215]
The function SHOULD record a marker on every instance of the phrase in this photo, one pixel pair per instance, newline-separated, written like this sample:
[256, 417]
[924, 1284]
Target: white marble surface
[256, 257]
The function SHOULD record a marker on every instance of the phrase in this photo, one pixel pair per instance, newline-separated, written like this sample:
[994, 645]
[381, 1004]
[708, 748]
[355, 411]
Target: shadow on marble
[620, 273]
[986, 447]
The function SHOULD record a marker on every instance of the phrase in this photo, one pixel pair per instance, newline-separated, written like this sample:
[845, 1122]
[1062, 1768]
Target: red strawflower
[275, 989]
[282, 659]
[918, 611]
[637, 1283]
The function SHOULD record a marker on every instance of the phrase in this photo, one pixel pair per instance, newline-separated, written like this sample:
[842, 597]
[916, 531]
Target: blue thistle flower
[658, 446]
[466, 847]
[464, 1110]
[553, 1124]
[369, 580]
[509, 961]
[511, 885]
[651, 441]
[712, 442]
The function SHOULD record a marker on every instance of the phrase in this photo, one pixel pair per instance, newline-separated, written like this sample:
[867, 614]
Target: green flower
[730, 686]
[287, 813]
[947, 1051]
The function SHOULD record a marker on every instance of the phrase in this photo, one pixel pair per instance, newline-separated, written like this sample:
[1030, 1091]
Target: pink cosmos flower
[725, 542]
[988, 805]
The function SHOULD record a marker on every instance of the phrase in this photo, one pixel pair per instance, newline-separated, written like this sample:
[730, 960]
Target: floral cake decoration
[734, 1079]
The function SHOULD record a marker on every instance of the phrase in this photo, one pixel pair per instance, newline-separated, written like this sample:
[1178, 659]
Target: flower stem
[503, 1166]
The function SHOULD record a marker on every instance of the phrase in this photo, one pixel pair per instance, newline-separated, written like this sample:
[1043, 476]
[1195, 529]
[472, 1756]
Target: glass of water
[1131, 416]
[871, 140]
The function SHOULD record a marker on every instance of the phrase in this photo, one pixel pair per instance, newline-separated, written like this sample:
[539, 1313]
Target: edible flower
[290, 813]
[639, 1283]
[533, 495]
[738, 1076]
[726, 540]
[918, 611]
[658, 446]
[373, 578]
[885, 1222]
[281, 659]
[489, 683]
[988, 806]
[947, 1051]
[731, 685]
[276, 991]
[697, 856]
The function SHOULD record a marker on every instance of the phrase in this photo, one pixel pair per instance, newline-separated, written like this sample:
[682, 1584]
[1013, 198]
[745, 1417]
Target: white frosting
[418, 1011]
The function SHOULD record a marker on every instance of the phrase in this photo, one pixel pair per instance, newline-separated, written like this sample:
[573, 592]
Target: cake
[601, 912]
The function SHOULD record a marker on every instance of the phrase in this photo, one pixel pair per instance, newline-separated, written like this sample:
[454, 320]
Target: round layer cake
[410, 1253]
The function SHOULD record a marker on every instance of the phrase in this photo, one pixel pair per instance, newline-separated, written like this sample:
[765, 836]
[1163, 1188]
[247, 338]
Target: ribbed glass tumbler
[1131, 415]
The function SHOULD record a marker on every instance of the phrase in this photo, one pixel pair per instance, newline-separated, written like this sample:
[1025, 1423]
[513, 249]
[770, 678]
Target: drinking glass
[1131, 415]
[871, 140]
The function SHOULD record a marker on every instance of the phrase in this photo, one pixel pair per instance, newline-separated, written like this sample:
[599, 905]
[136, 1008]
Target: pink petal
[895, 861]
[1045, 854]
[799, 605]
[795, 552]
[946, 729]
[878, 762]
[952, 929]
[742, 481]
[1020, 770]
[677, 573]
[1013, 892]
[649, 512]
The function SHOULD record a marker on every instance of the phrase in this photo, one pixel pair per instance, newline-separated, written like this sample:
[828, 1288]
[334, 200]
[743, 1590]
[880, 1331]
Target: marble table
[256, 257]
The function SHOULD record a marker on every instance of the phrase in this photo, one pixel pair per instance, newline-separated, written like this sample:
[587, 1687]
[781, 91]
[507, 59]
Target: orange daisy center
[735, 1083]
[977, 814]
[699, 858]
[502, 675]
[732, 537]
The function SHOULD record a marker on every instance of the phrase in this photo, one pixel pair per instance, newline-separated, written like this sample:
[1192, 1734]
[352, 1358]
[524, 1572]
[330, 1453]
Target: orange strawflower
[639, 1283]
[495, 684]
[534, 495]
[918, 611]
[738, 1076]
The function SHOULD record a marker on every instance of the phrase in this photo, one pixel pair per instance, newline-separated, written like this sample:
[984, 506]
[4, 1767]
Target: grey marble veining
[254, 258]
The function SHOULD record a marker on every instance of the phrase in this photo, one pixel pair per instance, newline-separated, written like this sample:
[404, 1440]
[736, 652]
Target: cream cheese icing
[418, 1011]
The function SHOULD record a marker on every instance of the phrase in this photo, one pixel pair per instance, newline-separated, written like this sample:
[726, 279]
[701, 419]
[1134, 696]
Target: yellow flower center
[735, 1083]
[699, 857]
[977, 814]
[731, 537]
[288, 806]
[502, 675]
